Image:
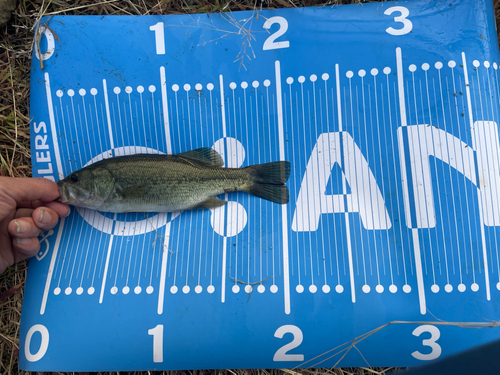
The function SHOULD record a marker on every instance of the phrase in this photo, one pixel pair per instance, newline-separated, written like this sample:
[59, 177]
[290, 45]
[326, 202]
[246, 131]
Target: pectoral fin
[132, 192]
[210, 203]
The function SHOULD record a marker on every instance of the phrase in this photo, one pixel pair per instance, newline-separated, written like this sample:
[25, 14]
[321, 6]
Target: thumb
[29, 189]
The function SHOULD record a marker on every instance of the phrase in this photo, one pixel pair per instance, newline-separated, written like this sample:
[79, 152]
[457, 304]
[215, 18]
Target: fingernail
[23, 241]
[44, 217]
[69, 211]
[21, 226]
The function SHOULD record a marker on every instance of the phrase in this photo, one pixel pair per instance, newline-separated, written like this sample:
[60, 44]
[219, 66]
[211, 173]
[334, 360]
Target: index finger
[29, 189]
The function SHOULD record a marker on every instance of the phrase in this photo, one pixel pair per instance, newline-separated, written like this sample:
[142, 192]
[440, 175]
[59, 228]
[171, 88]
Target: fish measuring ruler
[389, 116]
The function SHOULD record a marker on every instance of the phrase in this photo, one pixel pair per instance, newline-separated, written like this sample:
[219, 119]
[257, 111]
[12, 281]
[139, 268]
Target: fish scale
[175, 184]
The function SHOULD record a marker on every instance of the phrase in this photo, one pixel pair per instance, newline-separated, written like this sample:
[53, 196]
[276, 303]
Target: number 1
[159, 38]
[157, 333]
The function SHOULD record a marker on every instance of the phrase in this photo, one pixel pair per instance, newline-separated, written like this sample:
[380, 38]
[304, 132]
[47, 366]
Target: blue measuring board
[389, 116]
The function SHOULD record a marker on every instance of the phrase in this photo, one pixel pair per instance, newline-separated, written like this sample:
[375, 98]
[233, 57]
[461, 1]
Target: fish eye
[73, 178]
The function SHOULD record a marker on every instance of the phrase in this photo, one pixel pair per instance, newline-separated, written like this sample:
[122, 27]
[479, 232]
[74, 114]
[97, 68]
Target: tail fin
[269, 181]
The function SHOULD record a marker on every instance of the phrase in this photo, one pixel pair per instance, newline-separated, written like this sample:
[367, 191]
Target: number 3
[407, 25]
[436, 349]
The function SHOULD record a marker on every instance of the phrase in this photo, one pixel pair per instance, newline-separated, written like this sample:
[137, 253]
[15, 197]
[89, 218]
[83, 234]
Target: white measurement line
[222, 209]
[51, 267]
[230, 213]
[132, 251]
[295, 176]
[190, 212]
[324, 173]
[273, 246]
[108, 115]
[93, 213]
[249, 218]
[174, 287]
[255, 84]
[213, 232]
[72, 217]
[344, 189]
[327, 167]
[427, 190]
[494, 114]
[201, 241]
[490, 167]
[61, 176]
[163, 272]
[481, 219]
[494, 162]
[445, 251]
[105, 274]
[224, 257]
[452, 154]
[284, 219]
[386, 72]
[53, 126]
[305, 204]
[319, 176]
[414, 231]
[370, 197]
[358, 175]
[386, 219]
[351, 200]
[82, 156]
[463, 163]
[153, 124]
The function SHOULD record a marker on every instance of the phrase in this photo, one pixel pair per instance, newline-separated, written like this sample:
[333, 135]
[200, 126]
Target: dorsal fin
[205, 155]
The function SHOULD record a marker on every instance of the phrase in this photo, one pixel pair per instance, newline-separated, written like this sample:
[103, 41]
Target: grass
[16, 41]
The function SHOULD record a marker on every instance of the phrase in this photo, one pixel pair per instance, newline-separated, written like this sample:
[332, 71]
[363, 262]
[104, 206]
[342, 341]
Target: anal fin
[212, 202]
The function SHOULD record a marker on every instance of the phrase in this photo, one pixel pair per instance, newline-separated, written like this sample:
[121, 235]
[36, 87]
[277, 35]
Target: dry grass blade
[344, 348]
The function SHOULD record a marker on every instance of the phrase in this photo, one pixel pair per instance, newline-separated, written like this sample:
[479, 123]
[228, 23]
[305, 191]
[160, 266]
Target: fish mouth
[64, 192]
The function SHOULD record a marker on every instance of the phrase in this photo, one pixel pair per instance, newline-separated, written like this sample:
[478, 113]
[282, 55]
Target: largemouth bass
[165, 183]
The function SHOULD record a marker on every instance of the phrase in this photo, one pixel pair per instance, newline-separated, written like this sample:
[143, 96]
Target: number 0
[43, 345]
[281, 354]
[51, 45]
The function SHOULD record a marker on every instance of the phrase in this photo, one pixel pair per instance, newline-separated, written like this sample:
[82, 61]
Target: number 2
[270, 42]
[281, 354]
[436, 348]
[407, 25]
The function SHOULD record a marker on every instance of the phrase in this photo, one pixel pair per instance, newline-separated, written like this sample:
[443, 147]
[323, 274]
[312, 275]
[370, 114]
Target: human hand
[27, 209]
